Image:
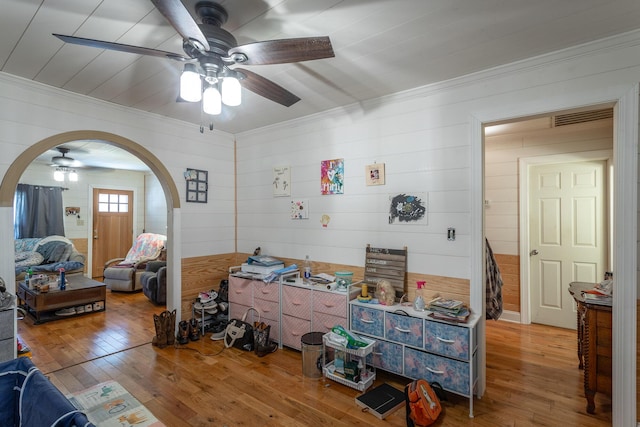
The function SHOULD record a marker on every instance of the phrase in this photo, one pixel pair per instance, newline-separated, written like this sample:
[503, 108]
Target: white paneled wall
[423, 137]
[155, 214]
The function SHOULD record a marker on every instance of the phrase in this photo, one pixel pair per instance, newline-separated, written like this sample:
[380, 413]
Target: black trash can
[312, 354]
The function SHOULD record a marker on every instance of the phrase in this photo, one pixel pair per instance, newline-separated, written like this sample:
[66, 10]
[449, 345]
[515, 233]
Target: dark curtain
[38, 211]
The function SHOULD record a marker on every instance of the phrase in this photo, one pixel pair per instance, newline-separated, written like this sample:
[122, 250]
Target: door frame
[134, 222]
[524, 167]
[624, 217]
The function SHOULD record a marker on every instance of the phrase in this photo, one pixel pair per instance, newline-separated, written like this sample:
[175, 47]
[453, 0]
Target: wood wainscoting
[510, 271]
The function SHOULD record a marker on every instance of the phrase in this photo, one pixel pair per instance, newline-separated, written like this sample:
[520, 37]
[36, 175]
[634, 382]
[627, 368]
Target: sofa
[154, 282]
[29, 399]
[47, 255]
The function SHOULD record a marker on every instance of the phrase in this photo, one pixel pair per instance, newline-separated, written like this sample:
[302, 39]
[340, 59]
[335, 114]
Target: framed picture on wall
[374, 174]
[197, 185]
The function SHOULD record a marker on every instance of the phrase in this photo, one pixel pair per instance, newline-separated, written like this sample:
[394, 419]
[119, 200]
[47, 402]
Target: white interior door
[567, 236]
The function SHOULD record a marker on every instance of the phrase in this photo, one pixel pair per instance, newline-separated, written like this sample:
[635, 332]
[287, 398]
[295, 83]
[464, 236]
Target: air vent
[582, 117]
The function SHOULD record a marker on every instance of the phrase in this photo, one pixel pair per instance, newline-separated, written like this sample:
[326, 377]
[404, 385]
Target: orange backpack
[423, 404]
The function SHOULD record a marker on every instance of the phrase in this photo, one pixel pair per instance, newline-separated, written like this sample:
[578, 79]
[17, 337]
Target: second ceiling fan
[210, 52]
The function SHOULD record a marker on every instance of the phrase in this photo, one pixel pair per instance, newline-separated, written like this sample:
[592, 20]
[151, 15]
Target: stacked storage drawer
[7, 340]
[413, 345]
[240, 297]
[329, 310]
[296, 315]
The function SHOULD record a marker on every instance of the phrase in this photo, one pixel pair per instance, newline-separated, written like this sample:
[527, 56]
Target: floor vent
[582, 117]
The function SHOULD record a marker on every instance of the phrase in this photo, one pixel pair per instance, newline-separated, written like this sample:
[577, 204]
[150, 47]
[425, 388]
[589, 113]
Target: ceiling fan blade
[283, 51]
[120, 47]
[179, 17]
[265, 87]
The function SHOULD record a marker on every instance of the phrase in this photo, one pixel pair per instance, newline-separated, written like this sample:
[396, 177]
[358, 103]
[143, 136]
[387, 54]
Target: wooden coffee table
[80, 292]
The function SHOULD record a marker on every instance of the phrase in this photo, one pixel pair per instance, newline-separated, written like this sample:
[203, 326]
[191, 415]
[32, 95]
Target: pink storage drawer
[292, 331]
[266, 291]
[268, 309]
[329, 303]
[323, 322]
[296, 302]
[240, 291]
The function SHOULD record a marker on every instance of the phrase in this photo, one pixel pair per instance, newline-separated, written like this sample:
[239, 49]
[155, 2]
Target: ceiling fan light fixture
[73, 176]
[190, 84]
[58, 175]
[231, 91]
[211, 101]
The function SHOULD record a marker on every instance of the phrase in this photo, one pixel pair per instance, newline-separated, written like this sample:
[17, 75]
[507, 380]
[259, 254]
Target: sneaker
[205, 297]
[66, 312]
[218, 330]
[199, 305]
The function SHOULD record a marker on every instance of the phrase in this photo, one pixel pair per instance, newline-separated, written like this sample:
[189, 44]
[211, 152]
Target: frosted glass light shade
[190, 84]
[58, 176]
[231, 91]
[211, 101]
[73, 176]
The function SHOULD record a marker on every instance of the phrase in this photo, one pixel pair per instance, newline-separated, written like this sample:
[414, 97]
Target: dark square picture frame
[197, 185]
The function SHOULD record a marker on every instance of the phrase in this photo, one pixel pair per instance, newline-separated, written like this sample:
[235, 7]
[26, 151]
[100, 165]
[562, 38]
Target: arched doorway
[15, 170]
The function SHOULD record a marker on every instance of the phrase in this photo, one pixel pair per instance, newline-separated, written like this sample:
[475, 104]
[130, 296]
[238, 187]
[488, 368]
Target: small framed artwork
[197, 185]
[281, 181]
[332, 176]
[374, 174]
[300, 209]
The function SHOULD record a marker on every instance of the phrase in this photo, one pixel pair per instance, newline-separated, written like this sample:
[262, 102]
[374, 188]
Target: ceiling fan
[210, 52]
[62, 160]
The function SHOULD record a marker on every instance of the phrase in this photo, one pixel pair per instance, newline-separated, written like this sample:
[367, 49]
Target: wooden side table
[594, 342]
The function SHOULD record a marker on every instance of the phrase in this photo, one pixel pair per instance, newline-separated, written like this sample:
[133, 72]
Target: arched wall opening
[17, 168]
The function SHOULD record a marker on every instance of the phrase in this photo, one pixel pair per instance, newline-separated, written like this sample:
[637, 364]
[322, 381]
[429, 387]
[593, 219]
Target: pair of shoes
[210, 307]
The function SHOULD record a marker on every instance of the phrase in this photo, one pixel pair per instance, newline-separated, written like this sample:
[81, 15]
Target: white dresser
[414, 345]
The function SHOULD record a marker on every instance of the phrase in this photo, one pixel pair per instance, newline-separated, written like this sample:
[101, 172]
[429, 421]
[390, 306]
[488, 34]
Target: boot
[171, 327]
[160, 323]
[194, 331]
[183, 332]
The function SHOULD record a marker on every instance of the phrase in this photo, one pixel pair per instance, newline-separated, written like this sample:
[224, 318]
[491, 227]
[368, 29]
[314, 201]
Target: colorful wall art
[408, 208]
[332, 176]
[300, 209]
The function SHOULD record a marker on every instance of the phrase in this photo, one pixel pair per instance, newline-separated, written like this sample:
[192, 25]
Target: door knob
[533, 252]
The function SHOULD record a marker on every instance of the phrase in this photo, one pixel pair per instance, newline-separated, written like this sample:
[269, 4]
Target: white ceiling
[381, 47]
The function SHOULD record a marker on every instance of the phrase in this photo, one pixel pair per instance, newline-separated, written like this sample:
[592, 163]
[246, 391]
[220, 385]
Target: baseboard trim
[511, 316]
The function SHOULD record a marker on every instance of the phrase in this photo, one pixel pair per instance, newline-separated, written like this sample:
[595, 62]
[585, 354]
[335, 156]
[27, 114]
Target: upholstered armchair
[154, 282]
[123, 274]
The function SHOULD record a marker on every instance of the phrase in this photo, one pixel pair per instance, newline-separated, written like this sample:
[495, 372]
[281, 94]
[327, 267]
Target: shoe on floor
[66, 311]
[205, 297]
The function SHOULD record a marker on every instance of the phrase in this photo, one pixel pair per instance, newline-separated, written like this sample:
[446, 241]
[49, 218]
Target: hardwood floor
[532, 376]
